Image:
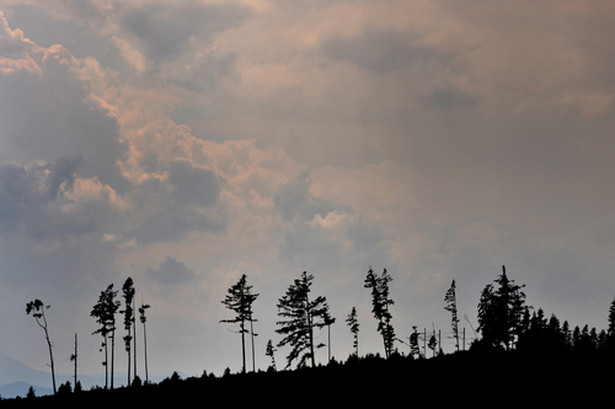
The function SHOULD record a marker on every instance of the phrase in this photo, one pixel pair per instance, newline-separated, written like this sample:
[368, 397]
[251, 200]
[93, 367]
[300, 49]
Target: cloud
[171, 271]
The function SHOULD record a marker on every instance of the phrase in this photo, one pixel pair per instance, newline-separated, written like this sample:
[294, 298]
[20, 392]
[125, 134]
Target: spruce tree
[300, 315]
[500, 312]
[450, 300]
[381, 303]
[353, 322]
[104, 311]
[610, 332]
[128, 291]
[239, 299]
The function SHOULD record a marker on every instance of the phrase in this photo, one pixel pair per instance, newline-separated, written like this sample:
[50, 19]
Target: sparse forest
[517, 346]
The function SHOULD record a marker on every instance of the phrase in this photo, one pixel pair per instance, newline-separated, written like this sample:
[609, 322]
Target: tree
[353, 322]
[381, 302]
[415, 350]
[270, 352]
[73, 358]
[239, 299]
[450, 300]
[500, 312]
[328, 321]
[128, 292]
[104, 311]
[300, 316]
[143, 319]
[37, 309]
[610, 332]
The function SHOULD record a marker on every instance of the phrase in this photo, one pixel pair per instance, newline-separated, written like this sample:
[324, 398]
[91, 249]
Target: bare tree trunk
[53, 375]
[134, 335]
[145, 351]
[75, 355]
[252, 336]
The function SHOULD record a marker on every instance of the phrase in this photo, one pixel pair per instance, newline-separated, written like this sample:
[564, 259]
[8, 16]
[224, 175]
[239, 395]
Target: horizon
[185, 144]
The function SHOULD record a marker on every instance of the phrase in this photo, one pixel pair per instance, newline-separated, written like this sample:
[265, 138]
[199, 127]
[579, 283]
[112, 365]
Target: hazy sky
[183, 143]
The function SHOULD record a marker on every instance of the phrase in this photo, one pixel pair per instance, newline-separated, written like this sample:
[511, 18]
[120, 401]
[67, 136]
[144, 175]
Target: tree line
[505, 322]
[104, 312]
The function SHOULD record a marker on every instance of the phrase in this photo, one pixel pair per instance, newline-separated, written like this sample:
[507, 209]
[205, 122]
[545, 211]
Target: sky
[185, 143]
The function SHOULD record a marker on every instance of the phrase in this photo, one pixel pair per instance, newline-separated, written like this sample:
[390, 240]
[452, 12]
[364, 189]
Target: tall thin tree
[239, 299]
[328, 321]
[353, 322]
[143, 319]
[73, 358]
[104, 311]
[450, 305]
[37, 309]
[381, 303]
[128, 292]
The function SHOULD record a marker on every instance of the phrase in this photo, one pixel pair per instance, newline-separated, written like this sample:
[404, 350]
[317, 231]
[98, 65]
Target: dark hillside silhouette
[521, 356]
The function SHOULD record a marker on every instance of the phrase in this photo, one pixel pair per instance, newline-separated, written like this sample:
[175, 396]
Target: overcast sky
[184, 143]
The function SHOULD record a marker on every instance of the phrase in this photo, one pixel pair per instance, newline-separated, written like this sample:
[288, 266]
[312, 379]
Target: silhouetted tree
[300, 316]
[500, 312]
[610, 332]
[270, 352]
[143, 319]
[37, 309]
[128, 292]
[353, 322]
[104, 311]
[65, 389]
[381, 302]
[415, 350]
[239, 299]
[328, 321]
[450, 305]
[73, 358]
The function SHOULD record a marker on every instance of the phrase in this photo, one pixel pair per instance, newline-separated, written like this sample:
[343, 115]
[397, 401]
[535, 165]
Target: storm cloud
[187, 143]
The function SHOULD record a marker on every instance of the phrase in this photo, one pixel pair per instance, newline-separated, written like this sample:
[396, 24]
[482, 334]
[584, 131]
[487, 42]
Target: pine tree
[104, 311]
[239, 299]
[143, 319]
[270, 352]
[328, 321]
[381, 303]
[300, 315]
[610, 332]
[353, 322]
[128, 291]
[450, 300]
[500, 312]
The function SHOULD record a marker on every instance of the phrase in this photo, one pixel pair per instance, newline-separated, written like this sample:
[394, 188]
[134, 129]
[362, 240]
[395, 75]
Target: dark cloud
[31, 198]
[189, 202]
[380, 51]
[193, 185]
[293, 200]
[171, 271]
[169, 30]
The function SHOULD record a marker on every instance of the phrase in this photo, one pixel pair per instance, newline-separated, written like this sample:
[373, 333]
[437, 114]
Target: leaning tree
[381, 302]
[300, 315]
[37, 309]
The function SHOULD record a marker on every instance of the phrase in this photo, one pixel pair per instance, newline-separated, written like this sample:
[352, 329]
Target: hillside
[480, 378]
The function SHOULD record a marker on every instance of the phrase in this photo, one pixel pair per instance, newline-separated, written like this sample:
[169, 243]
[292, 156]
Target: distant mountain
[12, 390]
[16, 378]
